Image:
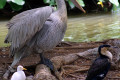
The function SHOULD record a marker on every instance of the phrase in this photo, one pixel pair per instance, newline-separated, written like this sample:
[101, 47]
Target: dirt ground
[76, 71]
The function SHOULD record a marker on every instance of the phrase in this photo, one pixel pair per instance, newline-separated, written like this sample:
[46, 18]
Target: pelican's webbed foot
[46, 62]
[7, 73]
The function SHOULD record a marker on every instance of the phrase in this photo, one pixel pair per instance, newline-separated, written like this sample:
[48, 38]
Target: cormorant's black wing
[99, 68]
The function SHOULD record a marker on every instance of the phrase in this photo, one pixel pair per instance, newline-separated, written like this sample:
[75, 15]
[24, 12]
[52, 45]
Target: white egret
[19, 75]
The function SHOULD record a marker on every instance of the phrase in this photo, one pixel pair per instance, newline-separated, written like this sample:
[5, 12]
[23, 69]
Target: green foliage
[81, 3]
[102, 0]
[2, 3]
[18, 2]
[71, 4]
[50, 2]
[115, 5]
[115, 2]
[116, 8]
[46, 1]
[15, 7]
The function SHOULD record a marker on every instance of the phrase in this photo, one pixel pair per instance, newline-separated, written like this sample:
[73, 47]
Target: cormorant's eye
[104, 49]
[107, 48]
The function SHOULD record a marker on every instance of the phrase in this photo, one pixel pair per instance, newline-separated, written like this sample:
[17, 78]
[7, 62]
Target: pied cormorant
[101, 65]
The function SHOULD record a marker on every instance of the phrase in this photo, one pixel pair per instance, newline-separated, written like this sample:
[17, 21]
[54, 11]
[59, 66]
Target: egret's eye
[21, 67]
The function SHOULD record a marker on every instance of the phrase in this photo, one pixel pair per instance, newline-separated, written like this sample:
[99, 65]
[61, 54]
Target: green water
[3, 32]
[92, 27]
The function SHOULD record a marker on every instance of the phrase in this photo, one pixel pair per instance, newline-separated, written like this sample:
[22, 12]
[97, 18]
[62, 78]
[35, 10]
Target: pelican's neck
[61, 6]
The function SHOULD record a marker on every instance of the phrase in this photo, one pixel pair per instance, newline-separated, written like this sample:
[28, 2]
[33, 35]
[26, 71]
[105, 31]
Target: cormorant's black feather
[98, 69]
[100, 47]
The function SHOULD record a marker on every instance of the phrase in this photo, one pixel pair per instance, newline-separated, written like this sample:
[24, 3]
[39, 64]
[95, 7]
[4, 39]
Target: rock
[29, 77]
[42, 72]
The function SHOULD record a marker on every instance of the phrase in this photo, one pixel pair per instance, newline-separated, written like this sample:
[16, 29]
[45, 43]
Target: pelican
[19, 75]
[37, 30]
[101, 65]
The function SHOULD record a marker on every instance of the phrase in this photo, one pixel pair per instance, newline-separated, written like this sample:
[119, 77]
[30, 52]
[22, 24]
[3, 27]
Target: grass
[3, 33]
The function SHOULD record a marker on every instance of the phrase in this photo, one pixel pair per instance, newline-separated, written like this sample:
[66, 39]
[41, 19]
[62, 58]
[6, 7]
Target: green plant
[16, 5]
[2, 3]
[52, 3]
[114, 2]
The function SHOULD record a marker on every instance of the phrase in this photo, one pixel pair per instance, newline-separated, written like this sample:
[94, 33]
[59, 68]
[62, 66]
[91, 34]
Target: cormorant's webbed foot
[46, 62]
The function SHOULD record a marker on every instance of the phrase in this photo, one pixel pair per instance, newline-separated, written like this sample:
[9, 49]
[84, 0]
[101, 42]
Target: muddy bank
[76, 70]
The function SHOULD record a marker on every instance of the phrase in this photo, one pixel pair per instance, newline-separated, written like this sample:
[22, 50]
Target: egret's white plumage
[19, 75]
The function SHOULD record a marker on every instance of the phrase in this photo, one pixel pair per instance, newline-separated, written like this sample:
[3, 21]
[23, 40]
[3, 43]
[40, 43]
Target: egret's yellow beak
[100, 3]
[24, 69]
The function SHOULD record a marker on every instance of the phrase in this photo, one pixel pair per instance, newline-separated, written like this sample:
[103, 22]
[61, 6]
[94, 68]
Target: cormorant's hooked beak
[113, 47]
[109, 54]
[100, 3]
[75, 2]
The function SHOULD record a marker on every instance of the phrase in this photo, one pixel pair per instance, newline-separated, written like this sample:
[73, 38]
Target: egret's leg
[46, 62]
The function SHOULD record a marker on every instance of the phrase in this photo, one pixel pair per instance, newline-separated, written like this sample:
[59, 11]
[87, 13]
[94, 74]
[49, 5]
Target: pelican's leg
[10, 68]
[46, 62]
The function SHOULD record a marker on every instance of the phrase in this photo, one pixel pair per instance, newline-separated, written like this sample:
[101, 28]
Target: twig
[78, 70]
[113, 77]
[74, 47]
[75, 76]
[81, 70]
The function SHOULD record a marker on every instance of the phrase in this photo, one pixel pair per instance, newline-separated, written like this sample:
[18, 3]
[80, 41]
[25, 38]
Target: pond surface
[85, 28]
[3, 32]
[93, 27]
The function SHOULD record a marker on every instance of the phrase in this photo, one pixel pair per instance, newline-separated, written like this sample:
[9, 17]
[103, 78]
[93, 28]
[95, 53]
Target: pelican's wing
[100, 66]
[52, 33]
[23, 26]
[26, 14]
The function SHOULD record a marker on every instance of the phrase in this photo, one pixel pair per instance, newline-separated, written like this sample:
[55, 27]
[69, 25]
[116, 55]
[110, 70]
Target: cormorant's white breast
[101, 65]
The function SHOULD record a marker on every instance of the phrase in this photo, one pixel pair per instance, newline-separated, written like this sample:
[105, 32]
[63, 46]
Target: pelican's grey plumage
[38, 30]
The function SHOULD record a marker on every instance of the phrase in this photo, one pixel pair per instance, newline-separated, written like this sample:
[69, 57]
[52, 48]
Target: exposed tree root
[60, 61]
[67, 65]
[43, 73]
[76, 76]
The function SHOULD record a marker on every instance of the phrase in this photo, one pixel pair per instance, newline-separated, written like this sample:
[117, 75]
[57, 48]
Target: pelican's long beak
[75, 2]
